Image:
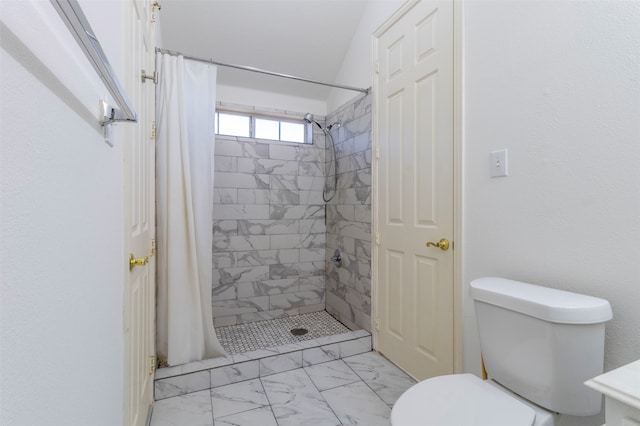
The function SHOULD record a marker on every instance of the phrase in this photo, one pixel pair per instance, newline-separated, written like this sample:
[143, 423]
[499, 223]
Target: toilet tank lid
[545, 303]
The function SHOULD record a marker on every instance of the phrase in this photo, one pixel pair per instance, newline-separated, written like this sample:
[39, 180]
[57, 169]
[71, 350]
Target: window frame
[254, 115]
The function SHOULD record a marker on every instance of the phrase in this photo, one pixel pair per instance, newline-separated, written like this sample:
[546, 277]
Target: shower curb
[211, 373]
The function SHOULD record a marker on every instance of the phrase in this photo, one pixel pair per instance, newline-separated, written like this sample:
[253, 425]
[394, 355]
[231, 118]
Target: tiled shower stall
[272, 243]
[272, 239]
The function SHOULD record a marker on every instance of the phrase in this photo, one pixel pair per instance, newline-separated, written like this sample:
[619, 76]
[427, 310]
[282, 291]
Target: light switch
[498, 163]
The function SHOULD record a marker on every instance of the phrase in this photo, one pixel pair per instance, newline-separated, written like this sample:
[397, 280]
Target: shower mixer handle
[337, 258]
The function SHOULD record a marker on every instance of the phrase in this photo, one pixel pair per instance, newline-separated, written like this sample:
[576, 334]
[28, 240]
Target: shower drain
[299, 331]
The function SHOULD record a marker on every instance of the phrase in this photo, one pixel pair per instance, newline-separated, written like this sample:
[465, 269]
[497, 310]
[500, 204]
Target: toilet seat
[459, 399]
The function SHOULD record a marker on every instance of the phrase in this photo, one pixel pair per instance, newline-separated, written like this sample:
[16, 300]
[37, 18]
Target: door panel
[426, 208]
[395, 161]
[426, 297]
[395, 272]
[415, 189]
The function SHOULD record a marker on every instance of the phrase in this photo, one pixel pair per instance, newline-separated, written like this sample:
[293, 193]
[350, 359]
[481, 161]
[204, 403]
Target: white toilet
[539, 346]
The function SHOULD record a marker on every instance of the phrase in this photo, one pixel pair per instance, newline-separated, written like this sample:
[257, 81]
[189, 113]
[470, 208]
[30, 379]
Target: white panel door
[414, 86]
[139, 205]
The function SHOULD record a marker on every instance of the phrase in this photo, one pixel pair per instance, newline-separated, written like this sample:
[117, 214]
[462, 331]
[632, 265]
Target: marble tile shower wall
[349, 218]
[269, 229]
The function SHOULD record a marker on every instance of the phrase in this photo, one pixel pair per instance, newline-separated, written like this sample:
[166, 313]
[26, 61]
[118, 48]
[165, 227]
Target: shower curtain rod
[261, 71]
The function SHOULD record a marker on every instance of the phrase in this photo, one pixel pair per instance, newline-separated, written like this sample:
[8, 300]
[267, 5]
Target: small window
[233, 125]
[260, 127]
[267, 129]
[292, 132]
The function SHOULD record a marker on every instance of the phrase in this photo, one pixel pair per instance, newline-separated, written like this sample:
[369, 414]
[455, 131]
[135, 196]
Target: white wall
[265, 100]
[558, 85]
[61, 249]
[356, 69]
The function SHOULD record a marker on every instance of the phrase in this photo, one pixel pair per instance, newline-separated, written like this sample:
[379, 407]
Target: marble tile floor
[356, 390]
[220, 371]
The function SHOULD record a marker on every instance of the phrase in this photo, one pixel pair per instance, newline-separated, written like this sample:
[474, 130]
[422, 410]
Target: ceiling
[305, 38]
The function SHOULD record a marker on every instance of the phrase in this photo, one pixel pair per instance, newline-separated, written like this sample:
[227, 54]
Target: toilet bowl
[464, 399]
[529, 336]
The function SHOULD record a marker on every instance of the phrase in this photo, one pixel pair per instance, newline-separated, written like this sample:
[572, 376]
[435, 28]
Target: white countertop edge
[611, 386]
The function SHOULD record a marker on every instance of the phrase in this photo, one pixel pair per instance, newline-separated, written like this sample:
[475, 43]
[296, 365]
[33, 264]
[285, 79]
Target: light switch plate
[498, 163]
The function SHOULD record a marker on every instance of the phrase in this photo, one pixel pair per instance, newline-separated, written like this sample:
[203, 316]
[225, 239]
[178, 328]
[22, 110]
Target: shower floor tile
[242, 338]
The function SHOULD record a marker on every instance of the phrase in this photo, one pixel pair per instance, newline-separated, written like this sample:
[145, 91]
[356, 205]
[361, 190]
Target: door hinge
[153, 129]
[377, 152]
[153, 10]
[153, 248]
[377, 67]
[377, 324]
[377, 238]
[152, 364]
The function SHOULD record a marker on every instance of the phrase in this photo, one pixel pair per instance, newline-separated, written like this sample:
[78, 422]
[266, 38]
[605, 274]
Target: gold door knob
[443, 244]
[139, 261]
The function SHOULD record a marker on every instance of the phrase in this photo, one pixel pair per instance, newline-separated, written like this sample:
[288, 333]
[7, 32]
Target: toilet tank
[542, 343]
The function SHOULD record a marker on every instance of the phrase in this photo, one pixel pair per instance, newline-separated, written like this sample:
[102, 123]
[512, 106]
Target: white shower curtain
[185, 106]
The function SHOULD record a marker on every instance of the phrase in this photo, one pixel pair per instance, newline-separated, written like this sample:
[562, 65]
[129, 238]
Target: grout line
[213, 420]
[322, 396]
[338, 386]
[363, 380]
[269, 401]
[243, 411]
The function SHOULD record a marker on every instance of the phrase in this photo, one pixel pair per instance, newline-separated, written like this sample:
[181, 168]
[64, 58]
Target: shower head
[308, 117]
